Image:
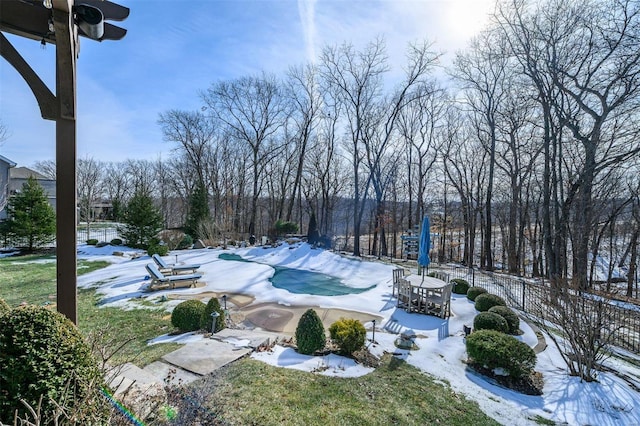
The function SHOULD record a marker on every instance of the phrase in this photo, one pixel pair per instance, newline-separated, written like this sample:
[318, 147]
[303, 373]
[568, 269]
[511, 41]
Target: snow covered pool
[300, 281]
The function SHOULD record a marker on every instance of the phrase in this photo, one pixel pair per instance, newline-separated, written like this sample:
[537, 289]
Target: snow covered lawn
[441, 351]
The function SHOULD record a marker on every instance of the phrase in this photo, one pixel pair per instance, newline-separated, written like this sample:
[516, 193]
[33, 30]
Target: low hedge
[486, 301]
[490, 321]
[116, 242]
[92, 241]
[460, 286]
[511, 317]
[474, 292]
[494, 350]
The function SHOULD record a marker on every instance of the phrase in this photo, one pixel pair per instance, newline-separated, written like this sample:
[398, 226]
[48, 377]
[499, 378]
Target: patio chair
[404, 294]
[158, 279]
[164, 267]
[398, 273]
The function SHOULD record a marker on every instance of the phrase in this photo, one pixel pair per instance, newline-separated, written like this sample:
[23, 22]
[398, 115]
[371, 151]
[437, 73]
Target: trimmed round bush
[116, 242]
[186, 242]
[349, 334]
[207, 320]
[460, 286]
[43, 354]
[187, 316]
[310, 335]
[92, 241]
[474, 292]
[492, 349]
[511, 317]
[486, 301]
[4, 307]
[490, 321]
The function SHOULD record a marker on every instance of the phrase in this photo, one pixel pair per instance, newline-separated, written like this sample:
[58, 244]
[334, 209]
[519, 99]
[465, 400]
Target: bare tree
[302, 86]
[254, 110]
[481, 70]
[354, 79]
[116, 184]
[47, 168]
[193, 133]
[89, 176]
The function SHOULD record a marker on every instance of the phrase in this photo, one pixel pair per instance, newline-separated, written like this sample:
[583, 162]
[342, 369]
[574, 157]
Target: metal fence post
[524, 291]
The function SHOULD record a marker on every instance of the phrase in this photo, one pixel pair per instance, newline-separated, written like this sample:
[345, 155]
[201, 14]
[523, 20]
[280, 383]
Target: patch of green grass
[32, 279]
[543, 421]
[250, 392]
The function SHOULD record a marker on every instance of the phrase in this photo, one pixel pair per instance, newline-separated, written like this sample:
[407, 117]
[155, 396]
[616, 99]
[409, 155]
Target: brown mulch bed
[531, 385]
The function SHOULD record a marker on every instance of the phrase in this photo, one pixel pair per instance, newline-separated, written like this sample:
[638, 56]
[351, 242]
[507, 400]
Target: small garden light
[215, 316]
[224, 300]
[373, 335]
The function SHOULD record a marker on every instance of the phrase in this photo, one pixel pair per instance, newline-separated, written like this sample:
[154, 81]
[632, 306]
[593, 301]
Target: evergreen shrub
[186, 242]
[511, 317]
[43, 354]
[207, 319]
[474, 292]
[349, 334]
[157, 248]
[486, 301]
[310, 336]
[460, 285]
[490, 321]
[492, 349]
[116, 242]
[92, 241]
[187, 316]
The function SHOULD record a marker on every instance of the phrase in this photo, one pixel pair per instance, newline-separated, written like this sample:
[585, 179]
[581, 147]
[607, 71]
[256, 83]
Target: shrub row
[489, 346]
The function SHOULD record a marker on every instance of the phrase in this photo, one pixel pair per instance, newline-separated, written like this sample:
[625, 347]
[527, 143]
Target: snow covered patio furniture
[164, 267]
[158, 279]
[426, 295]
[398, 274]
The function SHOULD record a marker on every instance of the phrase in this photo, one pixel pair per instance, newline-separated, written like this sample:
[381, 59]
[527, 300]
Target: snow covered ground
[441, 350]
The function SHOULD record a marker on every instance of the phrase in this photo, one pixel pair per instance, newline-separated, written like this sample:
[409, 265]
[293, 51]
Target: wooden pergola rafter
[60, 24]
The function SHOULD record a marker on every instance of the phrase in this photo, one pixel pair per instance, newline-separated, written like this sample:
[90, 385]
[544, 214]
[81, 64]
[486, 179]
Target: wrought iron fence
[528, 296]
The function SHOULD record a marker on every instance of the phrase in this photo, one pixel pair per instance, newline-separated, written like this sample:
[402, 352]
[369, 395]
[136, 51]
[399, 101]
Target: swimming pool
[304, 282]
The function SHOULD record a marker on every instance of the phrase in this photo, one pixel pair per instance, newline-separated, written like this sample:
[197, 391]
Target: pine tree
[30, 216]
[198, 210]
[142, 221]
[313, 236]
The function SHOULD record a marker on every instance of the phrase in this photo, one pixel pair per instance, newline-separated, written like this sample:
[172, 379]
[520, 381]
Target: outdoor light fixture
[47, 3]
[90, 20]
[224, 300]
[215, 316]
[373, 335]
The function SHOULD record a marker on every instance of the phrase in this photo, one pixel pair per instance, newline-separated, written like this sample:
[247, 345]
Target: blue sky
[176, 48]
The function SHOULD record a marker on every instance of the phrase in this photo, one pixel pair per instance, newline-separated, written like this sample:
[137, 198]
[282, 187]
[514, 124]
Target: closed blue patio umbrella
[425, 243]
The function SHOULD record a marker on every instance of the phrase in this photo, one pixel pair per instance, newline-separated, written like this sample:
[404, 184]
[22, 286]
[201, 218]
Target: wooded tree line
[525, 155]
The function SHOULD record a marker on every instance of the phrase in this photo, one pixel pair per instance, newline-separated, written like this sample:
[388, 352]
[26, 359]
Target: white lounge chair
[164, 267]
[158, 279]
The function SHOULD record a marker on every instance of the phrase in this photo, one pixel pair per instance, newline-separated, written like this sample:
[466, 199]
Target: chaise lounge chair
[172, 281]
[164, 267]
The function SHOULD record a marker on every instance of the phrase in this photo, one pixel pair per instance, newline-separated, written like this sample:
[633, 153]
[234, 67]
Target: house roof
[6, 160]
[25, 173]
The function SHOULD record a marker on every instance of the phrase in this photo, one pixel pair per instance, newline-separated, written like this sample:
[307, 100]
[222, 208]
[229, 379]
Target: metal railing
[527, 296]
